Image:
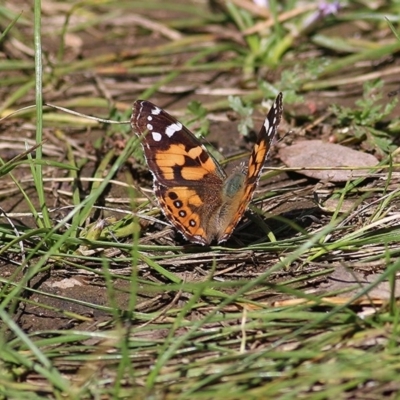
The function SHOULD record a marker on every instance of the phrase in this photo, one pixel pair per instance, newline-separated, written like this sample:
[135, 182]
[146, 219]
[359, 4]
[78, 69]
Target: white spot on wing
[149, 118]
[156, 136]
[149, 127]
[156, 111]
[173, 128]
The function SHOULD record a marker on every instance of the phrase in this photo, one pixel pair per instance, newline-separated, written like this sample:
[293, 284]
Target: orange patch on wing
[192, 197]
[209, 165]
[185, 195]
[260, 151]
[193, 173]
[174, 155]
[253, 168]
[195, 152]
[257, 159]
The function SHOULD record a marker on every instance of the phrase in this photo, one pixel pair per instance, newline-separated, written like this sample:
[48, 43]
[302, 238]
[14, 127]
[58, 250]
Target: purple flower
[261, 3]
[326, 8]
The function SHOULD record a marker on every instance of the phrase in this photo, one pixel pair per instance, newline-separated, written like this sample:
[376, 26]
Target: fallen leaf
[319, 154]
[65, 283]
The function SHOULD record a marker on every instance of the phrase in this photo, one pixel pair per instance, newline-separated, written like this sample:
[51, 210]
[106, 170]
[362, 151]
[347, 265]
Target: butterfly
[193, 191]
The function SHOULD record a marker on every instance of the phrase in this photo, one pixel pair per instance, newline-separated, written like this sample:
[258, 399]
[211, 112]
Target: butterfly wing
[258, 155]
[172, 152]
[187, 180]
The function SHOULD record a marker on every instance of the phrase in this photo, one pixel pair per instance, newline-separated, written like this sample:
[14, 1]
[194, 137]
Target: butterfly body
[192, 189]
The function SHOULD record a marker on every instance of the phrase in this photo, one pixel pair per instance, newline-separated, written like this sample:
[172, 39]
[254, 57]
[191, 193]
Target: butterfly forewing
[169, 146]
[264, 141]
